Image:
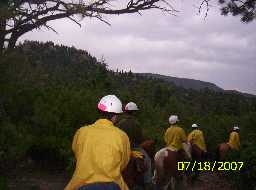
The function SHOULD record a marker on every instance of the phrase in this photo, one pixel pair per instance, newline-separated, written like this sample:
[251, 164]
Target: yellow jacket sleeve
[75, 143]
[190, 137]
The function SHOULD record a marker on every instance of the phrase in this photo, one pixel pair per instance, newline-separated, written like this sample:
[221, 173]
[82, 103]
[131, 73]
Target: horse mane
[147, 143]
[149, 147]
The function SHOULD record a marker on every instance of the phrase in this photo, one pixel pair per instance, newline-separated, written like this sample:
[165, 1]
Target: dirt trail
[33, 178]
[210, 181]
[44, 179]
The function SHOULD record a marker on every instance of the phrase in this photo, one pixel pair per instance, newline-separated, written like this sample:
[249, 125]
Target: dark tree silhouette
[245, 9]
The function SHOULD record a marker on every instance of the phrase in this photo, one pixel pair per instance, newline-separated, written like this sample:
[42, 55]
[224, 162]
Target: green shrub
[3, 183]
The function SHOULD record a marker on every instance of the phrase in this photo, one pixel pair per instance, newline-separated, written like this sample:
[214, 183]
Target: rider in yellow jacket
[102, 151]
[196, 137]
[234, 140]
[174, 136]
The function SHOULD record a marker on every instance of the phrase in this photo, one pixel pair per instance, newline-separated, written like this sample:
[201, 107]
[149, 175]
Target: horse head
[149, 147]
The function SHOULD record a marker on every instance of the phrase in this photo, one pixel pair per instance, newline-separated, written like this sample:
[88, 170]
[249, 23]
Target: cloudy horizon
[218, 49]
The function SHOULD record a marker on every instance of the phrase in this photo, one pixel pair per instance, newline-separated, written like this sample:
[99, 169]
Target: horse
[134, 173]
[166, 174]
[197, 153]
[222, 149]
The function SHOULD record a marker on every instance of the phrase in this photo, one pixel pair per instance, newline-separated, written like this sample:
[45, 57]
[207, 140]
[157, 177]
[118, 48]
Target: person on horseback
[102, 151]
[198, 150]
[175, 137]
[234, 140]
[232, 144]
[196, 139]
[166, 173]
[131, 126]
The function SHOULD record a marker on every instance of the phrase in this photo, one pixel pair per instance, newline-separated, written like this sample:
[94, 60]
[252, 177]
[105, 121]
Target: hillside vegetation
[185, 83]
[47, 92]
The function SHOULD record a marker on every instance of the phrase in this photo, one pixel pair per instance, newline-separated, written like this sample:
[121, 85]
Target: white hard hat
[173, 119]
[194, 125]
[110, 103]
[236, 128]
[131, 106]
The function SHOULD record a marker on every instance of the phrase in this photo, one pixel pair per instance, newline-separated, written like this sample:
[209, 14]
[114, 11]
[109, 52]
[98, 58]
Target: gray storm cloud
[216, 49]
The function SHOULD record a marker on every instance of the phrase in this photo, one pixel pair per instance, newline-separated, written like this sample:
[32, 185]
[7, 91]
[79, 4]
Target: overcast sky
[217, 49]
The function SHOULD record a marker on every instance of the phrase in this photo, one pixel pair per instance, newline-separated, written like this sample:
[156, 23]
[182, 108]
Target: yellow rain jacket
[174, 137]
[197, 137]
[234, 141]
[102, 152]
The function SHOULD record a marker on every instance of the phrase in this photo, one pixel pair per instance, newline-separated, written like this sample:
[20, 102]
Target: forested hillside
[185, 83]
[49, 91]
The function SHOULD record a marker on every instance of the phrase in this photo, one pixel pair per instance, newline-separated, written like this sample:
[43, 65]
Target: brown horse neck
[149, 147]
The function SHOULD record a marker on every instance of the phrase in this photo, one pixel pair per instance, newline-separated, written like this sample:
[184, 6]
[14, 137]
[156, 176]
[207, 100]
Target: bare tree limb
[74, 21]
[21, 16]
[50, 28]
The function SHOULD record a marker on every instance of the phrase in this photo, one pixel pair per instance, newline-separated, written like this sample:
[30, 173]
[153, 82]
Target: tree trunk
[2, 35]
